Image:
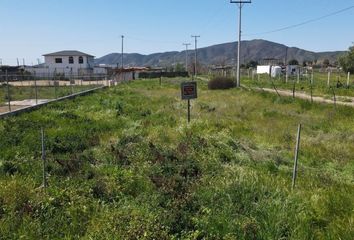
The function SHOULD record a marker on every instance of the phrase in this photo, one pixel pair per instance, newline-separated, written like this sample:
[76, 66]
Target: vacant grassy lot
[124, 164]
[29, 92]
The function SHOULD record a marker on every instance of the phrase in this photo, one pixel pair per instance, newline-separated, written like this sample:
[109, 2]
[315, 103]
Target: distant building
[66, 63]
[69, 62]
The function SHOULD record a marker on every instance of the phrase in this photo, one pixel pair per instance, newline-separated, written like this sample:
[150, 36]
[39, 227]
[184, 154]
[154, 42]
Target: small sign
[189, 90]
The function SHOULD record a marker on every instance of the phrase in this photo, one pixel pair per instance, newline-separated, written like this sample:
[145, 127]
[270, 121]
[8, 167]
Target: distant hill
[256, 50]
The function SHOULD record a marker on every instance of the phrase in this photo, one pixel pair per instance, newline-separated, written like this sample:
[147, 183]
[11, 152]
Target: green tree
[252, 64]
[326, 63]
[347, 60]
[180, 67]
[293, 62]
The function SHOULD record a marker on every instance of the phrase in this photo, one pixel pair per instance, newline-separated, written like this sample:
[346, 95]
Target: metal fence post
[45, 184]
[55, 87]
[35, 85]
[297, 148]
[8, 91]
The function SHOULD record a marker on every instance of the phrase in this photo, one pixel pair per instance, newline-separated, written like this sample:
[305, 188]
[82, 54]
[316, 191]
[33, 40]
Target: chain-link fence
[23, 90]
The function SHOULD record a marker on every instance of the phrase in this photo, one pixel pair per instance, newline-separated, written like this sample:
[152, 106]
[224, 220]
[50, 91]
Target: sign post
[188, 92]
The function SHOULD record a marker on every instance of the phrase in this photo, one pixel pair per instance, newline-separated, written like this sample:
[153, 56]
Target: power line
[302, 23]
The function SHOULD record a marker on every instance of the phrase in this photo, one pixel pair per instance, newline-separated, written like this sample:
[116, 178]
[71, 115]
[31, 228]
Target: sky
[31, 28]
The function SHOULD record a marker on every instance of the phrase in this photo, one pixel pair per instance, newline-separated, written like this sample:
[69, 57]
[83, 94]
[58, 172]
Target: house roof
[68, 53]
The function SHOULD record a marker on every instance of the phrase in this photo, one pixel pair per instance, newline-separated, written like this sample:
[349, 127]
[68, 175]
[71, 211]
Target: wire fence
[19, 91]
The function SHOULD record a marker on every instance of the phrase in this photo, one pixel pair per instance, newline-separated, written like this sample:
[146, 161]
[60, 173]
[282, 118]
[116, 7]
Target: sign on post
[188, 92]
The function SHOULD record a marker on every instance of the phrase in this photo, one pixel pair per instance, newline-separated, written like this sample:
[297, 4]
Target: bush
[221, 83]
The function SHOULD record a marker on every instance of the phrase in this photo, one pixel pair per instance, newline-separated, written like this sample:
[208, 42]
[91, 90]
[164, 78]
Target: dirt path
[308, 97]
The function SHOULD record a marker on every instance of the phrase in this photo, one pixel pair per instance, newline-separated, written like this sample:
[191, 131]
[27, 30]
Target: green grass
[124, 164]
[22, 93]
[319, 86]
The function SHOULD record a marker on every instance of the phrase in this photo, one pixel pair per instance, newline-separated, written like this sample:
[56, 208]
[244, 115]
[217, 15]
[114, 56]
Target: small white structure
[276, 71]
[263, 69]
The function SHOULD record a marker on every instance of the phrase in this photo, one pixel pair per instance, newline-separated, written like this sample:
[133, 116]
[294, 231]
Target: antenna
[240, 5]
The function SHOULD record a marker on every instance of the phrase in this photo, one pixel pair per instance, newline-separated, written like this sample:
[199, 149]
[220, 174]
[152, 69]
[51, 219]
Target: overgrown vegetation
[124, 164]
[221, 83]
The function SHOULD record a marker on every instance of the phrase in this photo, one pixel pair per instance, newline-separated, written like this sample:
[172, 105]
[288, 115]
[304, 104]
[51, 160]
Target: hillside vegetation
[124, 164]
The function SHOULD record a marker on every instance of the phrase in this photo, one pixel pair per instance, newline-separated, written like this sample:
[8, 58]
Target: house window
[71, 60]
[81, 60]
[58, 60]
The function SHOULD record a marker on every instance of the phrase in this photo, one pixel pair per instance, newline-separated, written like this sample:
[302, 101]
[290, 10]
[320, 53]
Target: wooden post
[311, 90]
[329, 78]
[348, 79]
[334, 98]
[298, 75]
[297, 148]
[160, 78]
[189, 111]
[45, 184]
[275, 88]
[286, 75]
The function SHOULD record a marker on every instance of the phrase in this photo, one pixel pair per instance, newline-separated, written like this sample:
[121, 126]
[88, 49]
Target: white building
[67, 63]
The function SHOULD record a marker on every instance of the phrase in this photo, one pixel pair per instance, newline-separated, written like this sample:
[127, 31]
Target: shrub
[221, 83]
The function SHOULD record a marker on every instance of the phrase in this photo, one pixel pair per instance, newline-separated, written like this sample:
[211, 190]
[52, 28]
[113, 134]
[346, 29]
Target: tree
[326, 63]
[180, 67]
[347, 60]
[252, 64]
[293, 62]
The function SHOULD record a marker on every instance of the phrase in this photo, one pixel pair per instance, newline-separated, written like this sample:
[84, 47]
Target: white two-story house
[69, 62]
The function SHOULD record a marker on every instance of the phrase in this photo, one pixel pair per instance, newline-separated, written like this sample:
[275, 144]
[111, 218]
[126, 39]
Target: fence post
[45, 184]
[294, 85]
[8, 91]
[329, 78]
[189, 111]
[334, 98]
[286, 76]
[297, 148]
[35, 85]
[348, 79]
[298, 76]
[275, 88]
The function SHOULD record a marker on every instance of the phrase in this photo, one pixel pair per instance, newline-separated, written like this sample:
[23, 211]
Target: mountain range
[222, 54]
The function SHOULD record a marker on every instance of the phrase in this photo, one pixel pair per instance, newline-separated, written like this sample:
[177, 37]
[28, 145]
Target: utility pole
[186, 44]
[122, 51]
[122, 66]
[238, 74]
[195, 53]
